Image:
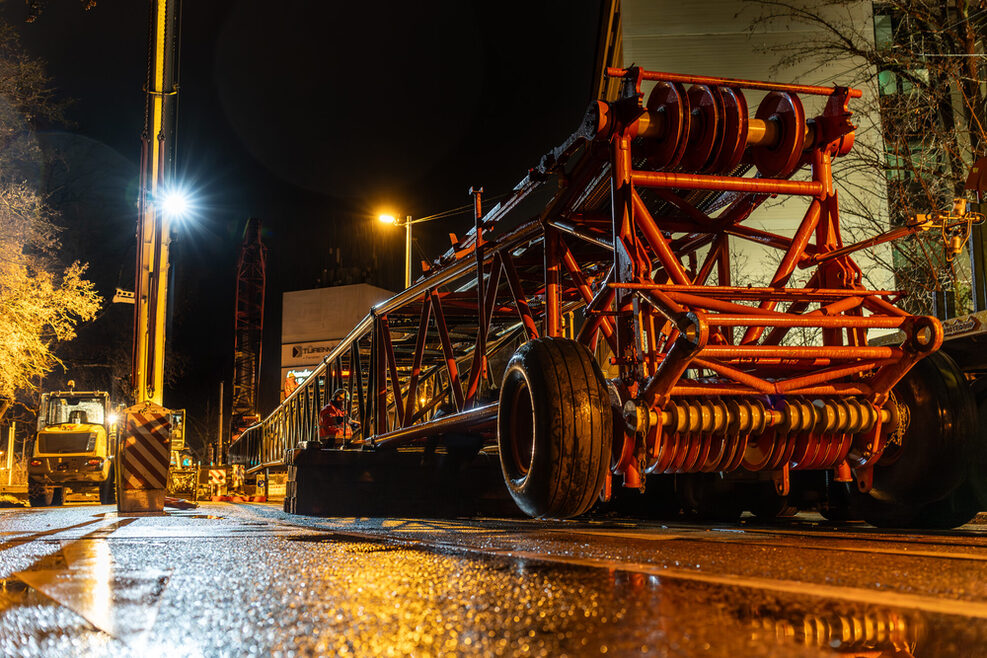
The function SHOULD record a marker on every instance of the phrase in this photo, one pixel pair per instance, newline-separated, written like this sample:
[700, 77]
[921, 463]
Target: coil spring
[711, 435]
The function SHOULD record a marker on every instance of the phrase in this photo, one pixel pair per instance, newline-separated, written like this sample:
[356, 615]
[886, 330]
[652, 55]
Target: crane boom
[153, 228]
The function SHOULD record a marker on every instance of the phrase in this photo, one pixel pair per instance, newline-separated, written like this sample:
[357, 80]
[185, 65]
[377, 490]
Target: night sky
[314, 117]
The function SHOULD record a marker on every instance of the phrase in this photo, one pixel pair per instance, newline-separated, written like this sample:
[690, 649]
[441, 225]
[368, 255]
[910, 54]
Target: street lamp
[176, 204]
[407, 222]
[391, 219]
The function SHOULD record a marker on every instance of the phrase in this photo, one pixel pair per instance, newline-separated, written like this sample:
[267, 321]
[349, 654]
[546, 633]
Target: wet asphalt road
[246, 579]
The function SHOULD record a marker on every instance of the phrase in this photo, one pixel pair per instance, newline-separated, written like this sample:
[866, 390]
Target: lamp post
[406, 223]
[391, 219]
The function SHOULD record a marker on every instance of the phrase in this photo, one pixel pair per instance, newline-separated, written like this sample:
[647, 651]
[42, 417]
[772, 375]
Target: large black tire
[38, 495]
[554, 428]
[958, 508]
[108, 490]
[58, 496]
[935, 451]
[914, 480]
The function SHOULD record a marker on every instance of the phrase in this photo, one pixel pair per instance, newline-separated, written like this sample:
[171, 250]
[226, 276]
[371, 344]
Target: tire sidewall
[939, 442]
[532, 486]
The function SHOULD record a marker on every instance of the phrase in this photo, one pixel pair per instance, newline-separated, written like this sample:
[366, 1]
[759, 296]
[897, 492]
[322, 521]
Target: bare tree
[924, 60]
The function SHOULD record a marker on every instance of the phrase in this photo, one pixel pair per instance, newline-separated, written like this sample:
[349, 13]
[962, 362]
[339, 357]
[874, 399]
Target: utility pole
[219, 430]
[153, 228]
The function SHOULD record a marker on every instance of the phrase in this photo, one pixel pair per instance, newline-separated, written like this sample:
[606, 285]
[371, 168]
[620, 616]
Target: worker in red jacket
[334, 422]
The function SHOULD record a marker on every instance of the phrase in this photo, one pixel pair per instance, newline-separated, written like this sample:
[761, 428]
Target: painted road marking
[85, 578]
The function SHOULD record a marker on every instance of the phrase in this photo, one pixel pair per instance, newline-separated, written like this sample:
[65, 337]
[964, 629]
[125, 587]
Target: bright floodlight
[175, 204]
[388, 219]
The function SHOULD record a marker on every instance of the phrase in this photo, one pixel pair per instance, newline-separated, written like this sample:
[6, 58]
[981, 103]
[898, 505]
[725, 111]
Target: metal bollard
[143, 459]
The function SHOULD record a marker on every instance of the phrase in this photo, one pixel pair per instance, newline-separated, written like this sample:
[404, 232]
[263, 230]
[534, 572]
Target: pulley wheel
[782, 159]
[759, 451]
[671, 100]
[707, 109]
[734, 131]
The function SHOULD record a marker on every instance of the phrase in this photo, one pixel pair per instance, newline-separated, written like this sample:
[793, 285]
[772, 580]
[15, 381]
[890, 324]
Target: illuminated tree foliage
[925, 60]
[41, 300]
[40, 303]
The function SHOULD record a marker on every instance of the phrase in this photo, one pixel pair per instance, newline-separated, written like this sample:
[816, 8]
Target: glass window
[78, 410]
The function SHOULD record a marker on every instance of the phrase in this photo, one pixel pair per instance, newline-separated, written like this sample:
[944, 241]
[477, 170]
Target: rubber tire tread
[573, 427]
[955, 510]
[931, 468]
[42, 499]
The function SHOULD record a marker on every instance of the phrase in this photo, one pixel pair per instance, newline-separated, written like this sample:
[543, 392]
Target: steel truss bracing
[629, 254]
[249, 324]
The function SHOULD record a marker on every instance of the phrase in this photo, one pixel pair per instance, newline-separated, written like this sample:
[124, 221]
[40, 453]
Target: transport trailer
[589, 333]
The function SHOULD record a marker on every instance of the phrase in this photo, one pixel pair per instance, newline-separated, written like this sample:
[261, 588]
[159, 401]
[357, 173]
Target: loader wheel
[554, 428]
[108, 490]
[933, 456]
[39, 495]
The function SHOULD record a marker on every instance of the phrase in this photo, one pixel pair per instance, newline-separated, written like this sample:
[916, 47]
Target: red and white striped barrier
[143, 459]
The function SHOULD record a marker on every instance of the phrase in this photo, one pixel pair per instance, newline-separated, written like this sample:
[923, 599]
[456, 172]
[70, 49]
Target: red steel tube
[470, 420]
[584, 290]
[553, 278]
[754, 382]
[656, 239]
[697, 389]
[450, 356]
[877, 304]
[756, 294]
[615, 72]
[419, 354]
[827, 375]
[802, 352]
[673, 181]
[718, 305]
[829, 321]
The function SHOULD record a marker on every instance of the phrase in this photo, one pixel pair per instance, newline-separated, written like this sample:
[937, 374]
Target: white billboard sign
[306, 354]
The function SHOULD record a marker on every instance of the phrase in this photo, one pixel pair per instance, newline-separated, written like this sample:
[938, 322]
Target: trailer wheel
[38, 495]
[958, 508]
[933, 457]
[766, 505]
[554, 428]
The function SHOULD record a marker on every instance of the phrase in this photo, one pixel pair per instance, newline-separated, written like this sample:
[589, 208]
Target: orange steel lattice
[628, 252]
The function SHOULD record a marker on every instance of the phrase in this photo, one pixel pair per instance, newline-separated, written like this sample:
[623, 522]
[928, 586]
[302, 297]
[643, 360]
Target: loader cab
[73, 409]
[71, 422]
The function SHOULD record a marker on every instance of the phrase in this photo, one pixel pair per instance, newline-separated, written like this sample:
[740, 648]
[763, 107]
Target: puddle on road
[349, 544]
[84, 578]
[507, 605]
